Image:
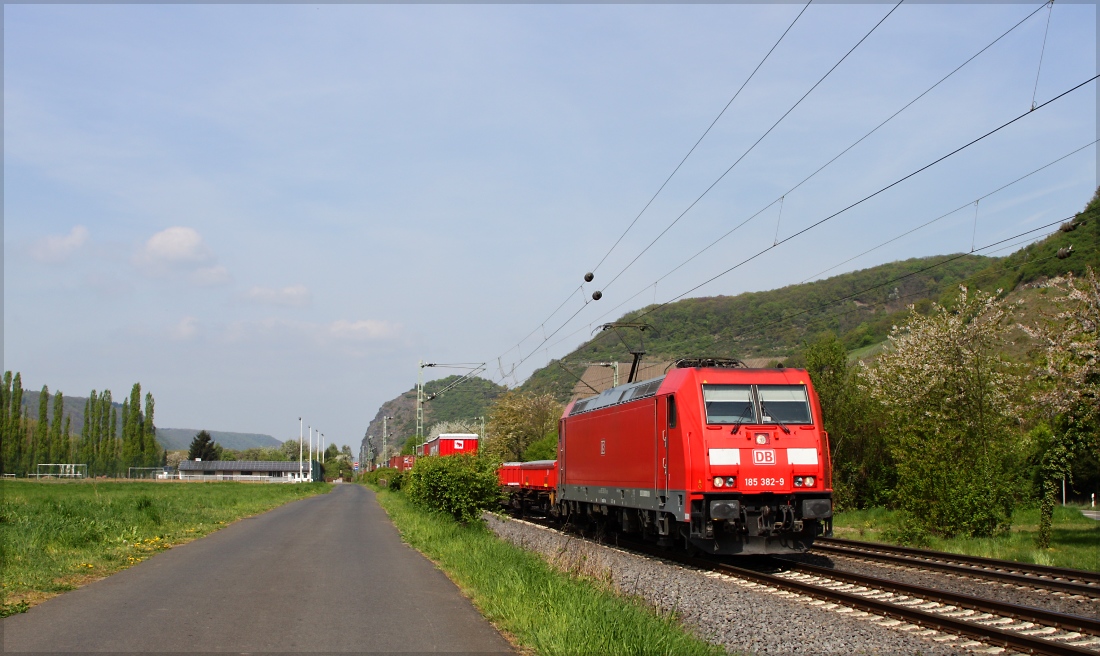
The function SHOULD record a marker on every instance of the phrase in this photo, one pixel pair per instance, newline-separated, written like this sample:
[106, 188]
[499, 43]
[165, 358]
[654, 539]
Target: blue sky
[266, 212]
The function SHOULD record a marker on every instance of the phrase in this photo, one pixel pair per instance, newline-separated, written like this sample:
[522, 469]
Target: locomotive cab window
[786, 404]
[671, 411]
[729, 404]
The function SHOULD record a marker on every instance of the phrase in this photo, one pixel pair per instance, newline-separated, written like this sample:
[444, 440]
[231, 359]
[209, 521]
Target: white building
[259, 471]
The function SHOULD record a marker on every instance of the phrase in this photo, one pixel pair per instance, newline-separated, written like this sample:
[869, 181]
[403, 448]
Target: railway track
[1059, 579]
[1013, 627]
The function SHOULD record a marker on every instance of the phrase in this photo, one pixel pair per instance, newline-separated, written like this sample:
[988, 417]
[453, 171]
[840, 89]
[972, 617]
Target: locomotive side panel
[613, 446]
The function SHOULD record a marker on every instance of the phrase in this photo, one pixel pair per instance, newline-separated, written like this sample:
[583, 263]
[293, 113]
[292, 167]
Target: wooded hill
[859, 307]
[466, 401]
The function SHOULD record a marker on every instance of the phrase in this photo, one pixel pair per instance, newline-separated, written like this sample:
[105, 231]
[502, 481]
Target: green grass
[1075, 542]
[543, 610]
[56, 536]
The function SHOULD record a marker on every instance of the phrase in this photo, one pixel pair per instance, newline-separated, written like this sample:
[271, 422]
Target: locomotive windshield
[785, 404]
[729, 404]
[757, 404]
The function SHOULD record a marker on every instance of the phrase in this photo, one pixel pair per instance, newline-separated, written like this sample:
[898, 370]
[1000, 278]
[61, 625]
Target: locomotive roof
[616, 395]
[647, 388]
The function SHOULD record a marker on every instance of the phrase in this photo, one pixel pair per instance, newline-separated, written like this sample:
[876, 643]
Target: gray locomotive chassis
[672, 501]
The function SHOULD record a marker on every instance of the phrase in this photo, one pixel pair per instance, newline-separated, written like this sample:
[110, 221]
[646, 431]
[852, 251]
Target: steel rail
[1078, 623]
[1041, 570]
[1036, 576]
[986, 634]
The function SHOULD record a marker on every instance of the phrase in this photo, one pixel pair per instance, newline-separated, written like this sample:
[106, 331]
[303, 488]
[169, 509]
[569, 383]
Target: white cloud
[211, 276]
[58, 248]
[181, 251]
[292, 296]
[173, 248]
[363, 330]
[186, 329]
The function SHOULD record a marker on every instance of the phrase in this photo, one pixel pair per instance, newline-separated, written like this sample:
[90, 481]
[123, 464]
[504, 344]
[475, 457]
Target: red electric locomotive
[728, 459]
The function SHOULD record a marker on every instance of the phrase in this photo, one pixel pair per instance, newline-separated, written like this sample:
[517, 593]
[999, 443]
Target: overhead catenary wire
[700, 140]
[869, 196]
[665, 183]
[751, 148]
[853, 145]
[1042, 51]
[870, 250]
[957, 209]
[907, 275]
[792, 189]
[758, 327]
[918, 293]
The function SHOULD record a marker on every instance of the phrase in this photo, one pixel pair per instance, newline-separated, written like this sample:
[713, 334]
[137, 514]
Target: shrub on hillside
[462, 486]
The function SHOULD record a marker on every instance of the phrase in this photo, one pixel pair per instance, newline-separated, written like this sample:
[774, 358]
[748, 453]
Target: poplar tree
[16, 424]
[125, 422]
[107, 433]
[57, 450]
[40, 437]
[93, 432]
[87, 450]
[67, 440]
[131, 441]
[151, 450]
[5, 432]
[113, 432]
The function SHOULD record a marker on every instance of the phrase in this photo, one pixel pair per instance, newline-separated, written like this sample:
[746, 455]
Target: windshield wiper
[764, 409]
[737, 424]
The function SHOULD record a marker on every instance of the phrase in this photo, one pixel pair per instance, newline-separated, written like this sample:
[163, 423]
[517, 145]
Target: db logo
[763, 456]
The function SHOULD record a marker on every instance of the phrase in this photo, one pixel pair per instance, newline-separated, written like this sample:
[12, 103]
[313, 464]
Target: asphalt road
[325, 574]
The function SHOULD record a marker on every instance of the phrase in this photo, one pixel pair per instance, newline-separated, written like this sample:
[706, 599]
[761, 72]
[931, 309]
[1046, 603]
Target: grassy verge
[1075, 543]
[543, 610]
[56, 536]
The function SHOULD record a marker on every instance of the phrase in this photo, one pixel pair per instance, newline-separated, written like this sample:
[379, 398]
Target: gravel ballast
[740, 616]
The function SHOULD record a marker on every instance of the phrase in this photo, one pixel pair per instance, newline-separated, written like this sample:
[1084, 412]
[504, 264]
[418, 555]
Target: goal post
[61, 470]
[146, 472]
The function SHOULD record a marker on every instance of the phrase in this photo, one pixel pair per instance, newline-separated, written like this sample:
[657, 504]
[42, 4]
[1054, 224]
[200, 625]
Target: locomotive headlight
[731, 481]
[761, 439]
[719, 481]
[808, 481]
[798, 481]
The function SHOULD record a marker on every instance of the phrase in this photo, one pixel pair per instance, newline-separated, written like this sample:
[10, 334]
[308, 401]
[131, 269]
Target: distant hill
[466, 401]
[774, 324]
[179, 439]
[172, 439]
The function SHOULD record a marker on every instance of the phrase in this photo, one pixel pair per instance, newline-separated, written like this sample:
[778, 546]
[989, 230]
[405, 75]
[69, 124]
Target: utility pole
[615, 370]
[299, 449]
[419, 399]
[385, 434]
[311, 454]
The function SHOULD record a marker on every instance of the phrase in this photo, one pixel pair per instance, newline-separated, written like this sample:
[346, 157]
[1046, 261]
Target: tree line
[111, 439]
[950, 428]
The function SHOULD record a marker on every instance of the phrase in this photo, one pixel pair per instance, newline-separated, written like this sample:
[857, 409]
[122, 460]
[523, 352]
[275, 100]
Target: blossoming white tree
[1070, 393]
[952, 416]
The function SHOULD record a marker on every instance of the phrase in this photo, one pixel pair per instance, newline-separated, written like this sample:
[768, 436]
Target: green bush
[385, 476]
[461, 486]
